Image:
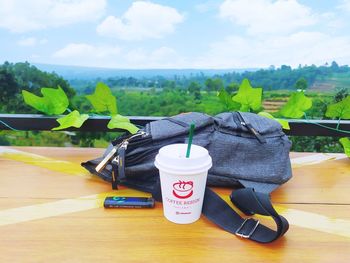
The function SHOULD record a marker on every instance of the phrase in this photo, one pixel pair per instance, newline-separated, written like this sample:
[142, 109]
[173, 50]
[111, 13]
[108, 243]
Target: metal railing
[36, 122]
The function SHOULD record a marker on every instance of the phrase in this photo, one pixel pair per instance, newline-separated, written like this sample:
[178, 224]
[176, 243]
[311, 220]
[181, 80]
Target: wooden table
[51, 211]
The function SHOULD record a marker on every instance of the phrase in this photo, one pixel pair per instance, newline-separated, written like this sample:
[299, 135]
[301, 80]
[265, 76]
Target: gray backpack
[249, 152]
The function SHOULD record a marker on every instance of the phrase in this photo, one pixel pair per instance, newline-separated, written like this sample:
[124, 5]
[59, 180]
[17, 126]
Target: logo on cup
[183, 189]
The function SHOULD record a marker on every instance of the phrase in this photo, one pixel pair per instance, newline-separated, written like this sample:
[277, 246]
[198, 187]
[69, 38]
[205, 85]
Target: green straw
[190, 140]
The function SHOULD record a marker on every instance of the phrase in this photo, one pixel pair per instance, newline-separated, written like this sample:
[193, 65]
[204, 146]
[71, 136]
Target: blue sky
[175, 34]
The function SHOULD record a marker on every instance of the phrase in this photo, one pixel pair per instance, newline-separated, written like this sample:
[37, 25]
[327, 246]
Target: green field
[331, 83]
[160, 96]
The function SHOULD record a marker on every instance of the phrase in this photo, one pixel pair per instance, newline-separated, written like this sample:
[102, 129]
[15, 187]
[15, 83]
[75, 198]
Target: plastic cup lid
[172, 159]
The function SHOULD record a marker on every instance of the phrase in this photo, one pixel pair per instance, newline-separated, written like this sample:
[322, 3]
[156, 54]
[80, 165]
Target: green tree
[209, 85]
[169, 85]
[8, 85]
[31, 78]
[218, 84]
[334, 66]
[232, 87]
[301, 84]
[9, 89]
[23, 76]
[214, 84]
[341, 94]
[195, 89]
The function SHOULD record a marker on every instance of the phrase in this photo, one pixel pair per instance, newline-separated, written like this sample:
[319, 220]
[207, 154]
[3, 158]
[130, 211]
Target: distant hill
[331, 82]
[325, 78]
[89, 73]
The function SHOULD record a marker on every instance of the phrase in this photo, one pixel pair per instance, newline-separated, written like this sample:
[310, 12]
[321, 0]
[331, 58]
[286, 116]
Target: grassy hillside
[332, 82]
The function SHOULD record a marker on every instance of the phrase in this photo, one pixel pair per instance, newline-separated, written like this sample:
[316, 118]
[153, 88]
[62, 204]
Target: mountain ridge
[89, 73]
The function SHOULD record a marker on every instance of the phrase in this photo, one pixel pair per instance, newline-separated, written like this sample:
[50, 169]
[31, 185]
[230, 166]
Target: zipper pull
[108, 157]
[139, 133]
[114, 151]
[251, 129]
[257, 135]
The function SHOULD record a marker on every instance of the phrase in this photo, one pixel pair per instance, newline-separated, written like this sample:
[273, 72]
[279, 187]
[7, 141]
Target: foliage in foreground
[55, 102]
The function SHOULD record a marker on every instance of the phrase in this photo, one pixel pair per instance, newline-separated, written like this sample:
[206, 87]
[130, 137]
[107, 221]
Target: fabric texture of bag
[248, 151]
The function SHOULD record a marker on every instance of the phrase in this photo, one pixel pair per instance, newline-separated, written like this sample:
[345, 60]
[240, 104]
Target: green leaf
[73, 119]
[339, 110]
[346, 145]
[296, 106]
[226, 99]
[103, 100]
[284, 123]
[248, 97]
[121, 122]
[53, 102]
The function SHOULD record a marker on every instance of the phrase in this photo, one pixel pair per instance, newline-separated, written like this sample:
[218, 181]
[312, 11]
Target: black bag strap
[220, 213]
[250, 203]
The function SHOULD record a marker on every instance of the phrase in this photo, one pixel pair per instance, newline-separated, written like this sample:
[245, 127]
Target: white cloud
[84, 51]
[332, 20]
[301, 47]
[31, 41]
[205, 7]
[277, 32]
[163, 57]
[163, 54]
[267, 16]
[345, 5]
[142, 20]
[84, 54]
[34, 56]
[23, 16]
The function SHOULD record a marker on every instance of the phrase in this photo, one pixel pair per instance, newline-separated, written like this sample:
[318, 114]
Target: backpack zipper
[125, 142]
[250, 128]
[123, 145]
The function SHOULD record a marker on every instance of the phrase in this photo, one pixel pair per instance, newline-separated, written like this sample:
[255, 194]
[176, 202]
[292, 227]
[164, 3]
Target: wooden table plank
[146, 235]
[326, 182]
[317, 192]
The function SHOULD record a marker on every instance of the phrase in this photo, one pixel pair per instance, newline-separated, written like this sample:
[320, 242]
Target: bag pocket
[178, 125]
[236, 157]
[245, 124]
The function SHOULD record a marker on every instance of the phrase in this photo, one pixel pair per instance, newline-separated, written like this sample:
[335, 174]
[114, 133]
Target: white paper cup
[183, 181]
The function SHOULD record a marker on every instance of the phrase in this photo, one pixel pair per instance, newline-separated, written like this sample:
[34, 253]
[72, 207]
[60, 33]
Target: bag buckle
[243, 235]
